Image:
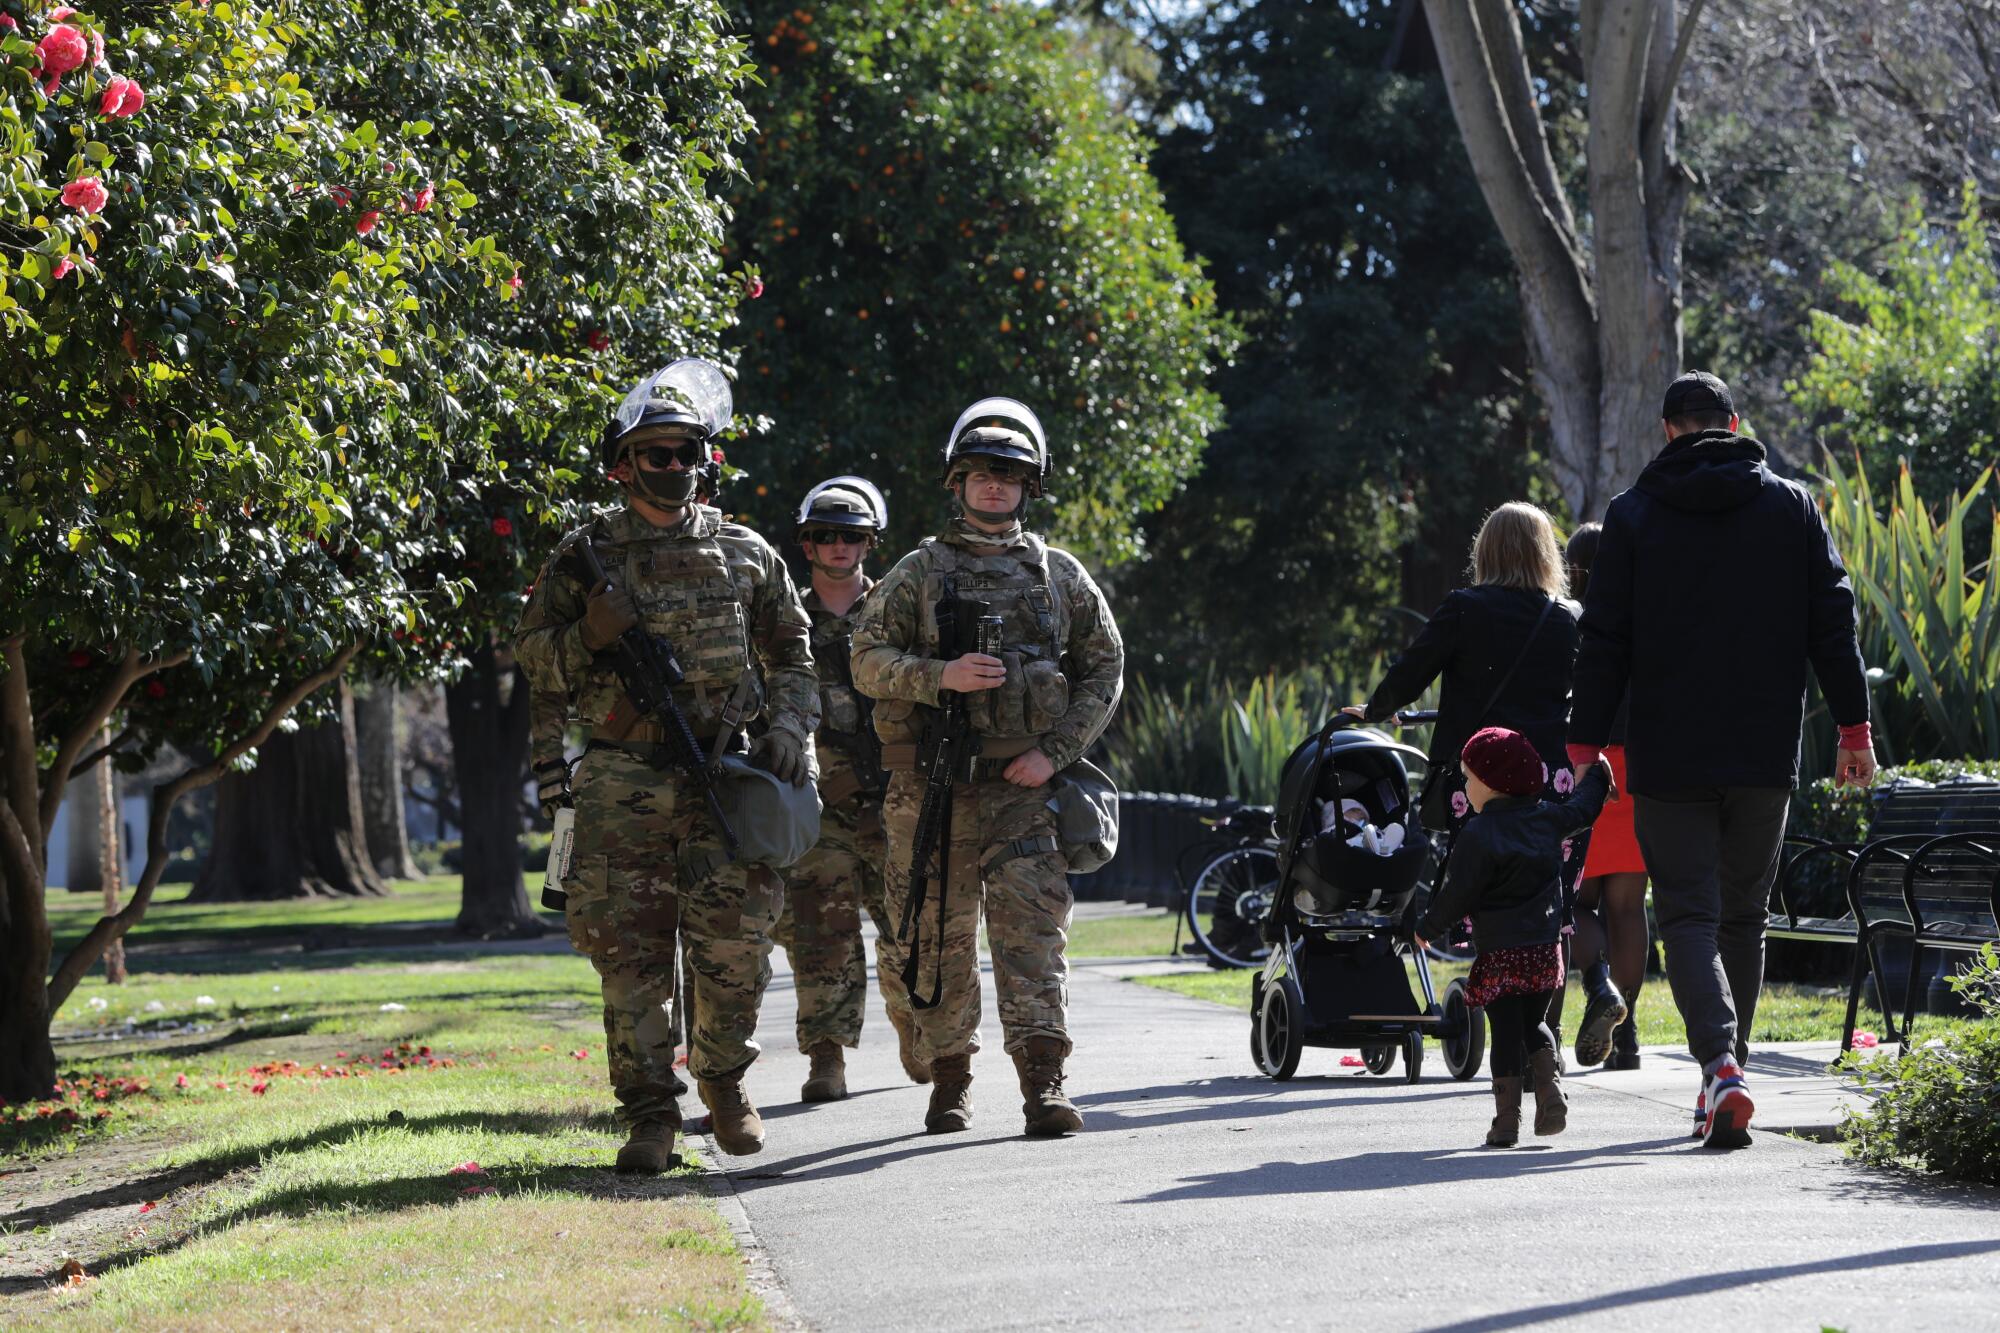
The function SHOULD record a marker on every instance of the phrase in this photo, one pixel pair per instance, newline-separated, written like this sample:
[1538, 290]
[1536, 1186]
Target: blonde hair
[1516, 548]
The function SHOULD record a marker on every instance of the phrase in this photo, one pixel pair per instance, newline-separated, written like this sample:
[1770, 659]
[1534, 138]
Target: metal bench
[1928, 874]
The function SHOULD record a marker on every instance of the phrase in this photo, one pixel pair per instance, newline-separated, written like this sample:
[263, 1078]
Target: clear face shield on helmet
[849, 502]
[686, 400]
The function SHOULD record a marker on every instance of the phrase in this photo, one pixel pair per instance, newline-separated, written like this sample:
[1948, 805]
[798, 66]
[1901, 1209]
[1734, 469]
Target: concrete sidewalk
[1204, 1196]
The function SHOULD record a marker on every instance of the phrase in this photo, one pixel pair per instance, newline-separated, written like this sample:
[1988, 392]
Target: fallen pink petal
[467, 1169]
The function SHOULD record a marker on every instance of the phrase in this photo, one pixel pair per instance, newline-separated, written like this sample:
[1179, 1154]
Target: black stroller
[1351, 855]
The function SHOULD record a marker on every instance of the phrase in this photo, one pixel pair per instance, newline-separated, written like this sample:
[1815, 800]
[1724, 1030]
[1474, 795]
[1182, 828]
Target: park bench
[1927, 874]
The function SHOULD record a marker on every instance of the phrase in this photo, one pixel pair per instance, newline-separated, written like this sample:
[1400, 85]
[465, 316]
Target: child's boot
[1551, 1107]
[1506, 1129]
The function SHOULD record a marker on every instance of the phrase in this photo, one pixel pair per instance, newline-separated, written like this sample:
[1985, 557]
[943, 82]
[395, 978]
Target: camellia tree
[210, 500]
[591, 146]
[942, 204]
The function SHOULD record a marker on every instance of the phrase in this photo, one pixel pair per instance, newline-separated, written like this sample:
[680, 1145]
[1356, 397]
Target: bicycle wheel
[1228, 902]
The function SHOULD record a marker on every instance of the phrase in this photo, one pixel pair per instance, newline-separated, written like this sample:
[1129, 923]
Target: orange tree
[211, 487]
[941, 204]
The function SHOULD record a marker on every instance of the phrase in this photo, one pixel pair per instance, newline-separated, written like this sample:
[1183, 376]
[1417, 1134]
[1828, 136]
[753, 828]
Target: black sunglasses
[828, 536]
[657, 457]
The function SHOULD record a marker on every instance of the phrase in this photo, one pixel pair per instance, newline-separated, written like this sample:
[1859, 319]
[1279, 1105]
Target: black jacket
[1714, 586]
[1473, 637]
[1505, 870]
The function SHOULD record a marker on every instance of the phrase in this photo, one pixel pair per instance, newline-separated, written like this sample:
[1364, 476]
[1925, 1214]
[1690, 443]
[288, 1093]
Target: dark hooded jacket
[1714, 587]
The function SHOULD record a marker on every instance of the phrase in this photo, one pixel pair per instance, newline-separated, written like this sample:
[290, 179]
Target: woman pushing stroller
[1506, 873]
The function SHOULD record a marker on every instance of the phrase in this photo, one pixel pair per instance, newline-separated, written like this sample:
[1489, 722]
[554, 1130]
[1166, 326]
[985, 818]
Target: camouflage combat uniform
[649, 861]
[825, 892]
[1065, 667]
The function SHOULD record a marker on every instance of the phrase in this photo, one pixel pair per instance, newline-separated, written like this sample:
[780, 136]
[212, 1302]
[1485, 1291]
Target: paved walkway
[1202, 1196]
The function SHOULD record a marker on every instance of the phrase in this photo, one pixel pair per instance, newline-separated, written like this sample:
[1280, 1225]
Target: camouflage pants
[1027, 903]
[649, 868]
[821, 926]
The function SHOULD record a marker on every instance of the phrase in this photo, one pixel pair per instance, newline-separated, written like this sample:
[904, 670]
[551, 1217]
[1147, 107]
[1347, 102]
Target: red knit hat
[1505, 761]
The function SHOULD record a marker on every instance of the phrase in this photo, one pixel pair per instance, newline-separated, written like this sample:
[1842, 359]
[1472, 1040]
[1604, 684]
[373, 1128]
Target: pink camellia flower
[7, 22]
[180, 1080]
[341, 195]
[61, 12]
[501, 528]
[1459, 805]
[467, 1169]
[366, 222]
[64, 268]
[122, 97]
[63, 50]
[422, 199]
[1864, 1039]
[514, 283]
[87, 195]
[1565, 781]
[756, 288]
[598, 340]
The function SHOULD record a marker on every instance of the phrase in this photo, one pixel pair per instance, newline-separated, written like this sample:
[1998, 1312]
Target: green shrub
[1926, 616]
[1937, 1108]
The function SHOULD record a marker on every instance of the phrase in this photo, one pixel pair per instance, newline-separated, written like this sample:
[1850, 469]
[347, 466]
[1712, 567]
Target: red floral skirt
[1528, 969]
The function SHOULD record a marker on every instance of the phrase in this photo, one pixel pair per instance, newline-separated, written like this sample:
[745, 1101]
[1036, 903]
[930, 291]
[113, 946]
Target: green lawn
[1132, 936]
[173, 921]
[283, 1148]
[1785, 1012]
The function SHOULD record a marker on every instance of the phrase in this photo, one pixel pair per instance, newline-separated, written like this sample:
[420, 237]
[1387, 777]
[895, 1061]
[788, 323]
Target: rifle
[867, 755]
[946, 755]
[648, 670]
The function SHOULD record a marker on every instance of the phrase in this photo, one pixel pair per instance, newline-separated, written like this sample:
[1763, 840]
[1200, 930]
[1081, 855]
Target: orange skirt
[1614, 843]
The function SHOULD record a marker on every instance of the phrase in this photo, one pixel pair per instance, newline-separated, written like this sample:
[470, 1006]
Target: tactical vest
[843, 710]
[685, 595]
[1034, 620]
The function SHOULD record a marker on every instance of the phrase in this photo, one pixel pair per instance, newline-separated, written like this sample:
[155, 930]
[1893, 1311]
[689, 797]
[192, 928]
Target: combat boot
[906, 1046]
[951, 1095]
[1049, 1112]
[1505, 1130]
[828, 1080]
[1551, 1107]
[732, 1121]
[649, 1149]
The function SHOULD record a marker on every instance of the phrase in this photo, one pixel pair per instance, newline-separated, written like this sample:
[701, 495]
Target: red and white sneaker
[1729, 1108]
[1701, 1111]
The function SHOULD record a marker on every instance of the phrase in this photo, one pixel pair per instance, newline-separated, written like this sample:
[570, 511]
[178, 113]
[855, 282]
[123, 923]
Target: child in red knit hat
[1505, 872]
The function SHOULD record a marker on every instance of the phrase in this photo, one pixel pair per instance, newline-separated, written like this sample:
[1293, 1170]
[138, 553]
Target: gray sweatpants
[1712, 854]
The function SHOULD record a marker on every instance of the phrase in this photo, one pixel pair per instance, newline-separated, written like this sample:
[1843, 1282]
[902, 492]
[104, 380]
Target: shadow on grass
[215, 1166]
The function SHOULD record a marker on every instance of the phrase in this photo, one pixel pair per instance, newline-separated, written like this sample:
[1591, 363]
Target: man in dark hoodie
[1715, 586]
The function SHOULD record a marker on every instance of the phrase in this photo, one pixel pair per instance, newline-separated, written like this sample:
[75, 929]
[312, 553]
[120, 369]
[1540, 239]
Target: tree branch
[1500, 33]
[22, 867]
[131, 671]
[17, 744]
[101, 753]
[1660, 97]
[76, 964]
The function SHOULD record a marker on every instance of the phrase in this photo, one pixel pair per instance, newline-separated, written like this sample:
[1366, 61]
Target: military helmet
[843, 502]
[688, 398]
[999, 428]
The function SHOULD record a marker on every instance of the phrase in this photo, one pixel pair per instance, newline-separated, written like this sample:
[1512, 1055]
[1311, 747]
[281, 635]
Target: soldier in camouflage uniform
[649, 860]
[1036, 708]
[838, 523]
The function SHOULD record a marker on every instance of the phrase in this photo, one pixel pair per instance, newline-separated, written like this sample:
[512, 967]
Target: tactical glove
[609, 614]
[552, 786]
[782, 755]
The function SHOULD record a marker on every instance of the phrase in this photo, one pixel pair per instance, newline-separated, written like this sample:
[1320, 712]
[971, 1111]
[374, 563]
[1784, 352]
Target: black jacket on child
[1471, 640]
[1505, 870]
[1715, 585]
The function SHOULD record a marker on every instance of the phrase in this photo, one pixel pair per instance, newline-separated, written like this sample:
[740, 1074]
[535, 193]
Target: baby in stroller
[1505, 872]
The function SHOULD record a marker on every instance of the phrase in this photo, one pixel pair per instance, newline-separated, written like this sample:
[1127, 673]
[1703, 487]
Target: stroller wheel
[1277, 1024]
[1378, 1059]
[1464, 1032]
[1413, 1057]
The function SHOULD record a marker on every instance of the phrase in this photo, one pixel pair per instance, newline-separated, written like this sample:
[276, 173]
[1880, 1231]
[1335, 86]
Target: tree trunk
[487, 711]
[111, 855]
[292, 827]
[378, 730]
[1604, 326]
[83, 864]
[27, 1056]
